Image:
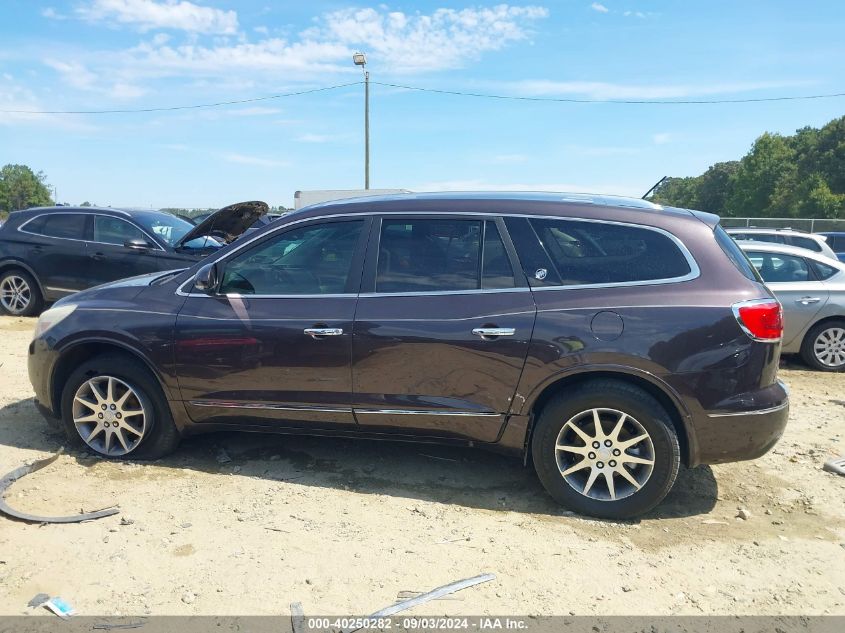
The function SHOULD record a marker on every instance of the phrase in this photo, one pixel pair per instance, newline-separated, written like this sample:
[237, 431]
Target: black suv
[50, 252]
[606, 340]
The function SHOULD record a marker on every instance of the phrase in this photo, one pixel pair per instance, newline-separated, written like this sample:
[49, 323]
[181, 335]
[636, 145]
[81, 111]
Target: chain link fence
[810, 225]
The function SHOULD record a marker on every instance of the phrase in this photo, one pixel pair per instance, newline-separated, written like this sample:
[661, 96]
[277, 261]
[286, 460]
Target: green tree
[22, 188]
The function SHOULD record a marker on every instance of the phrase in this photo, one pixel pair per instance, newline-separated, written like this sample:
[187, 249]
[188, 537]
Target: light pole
[361, 60]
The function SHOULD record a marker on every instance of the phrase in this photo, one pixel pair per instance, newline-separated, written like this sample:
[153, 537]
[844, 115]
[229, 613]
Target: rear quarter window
[736, 254]
[806, 242]
[590, 253]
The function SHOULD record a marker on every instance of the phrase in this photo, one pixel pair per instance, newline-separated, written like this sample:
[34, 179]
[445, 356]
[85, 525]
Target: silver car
[811, 288]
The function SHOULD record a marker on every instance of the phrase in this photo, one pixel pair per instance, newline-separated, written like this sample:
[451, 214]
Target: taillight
[761, 319]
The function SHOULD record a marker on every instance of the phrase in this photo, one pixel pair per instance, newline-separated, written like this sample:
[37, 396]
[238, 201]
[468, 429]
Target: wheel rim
[829, 347]
[15, 294]
[600, 465]
[109, 415]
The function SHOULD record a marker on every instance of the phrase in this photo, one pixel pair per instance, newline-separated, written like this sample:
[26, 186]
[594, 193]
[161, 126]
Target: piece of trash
[405, 595]
[452, 540]
[59, 607]
[11, 477]
[297, 617]
[108, 626]
[434, 594]
[835, 466]
[443, 459]
[38, 600]
[713, 522]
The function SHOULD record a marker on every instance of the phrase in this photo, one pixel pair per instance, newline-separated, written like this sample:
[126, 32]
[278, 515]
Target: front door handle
[490, 332]
[98, 257]
[805, 301]
[319, 332]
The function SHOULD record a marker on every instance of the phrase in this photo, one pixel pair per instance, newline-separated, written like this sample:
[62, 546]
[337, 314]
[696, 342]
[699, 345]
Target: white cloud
[443, 39]
[16, 97]
[73, 73]
[247, 159]
[126, 91]
[662, 138]
[605, 90]
[167, 14]
[596, 6]
[316, 138]
[52, 14]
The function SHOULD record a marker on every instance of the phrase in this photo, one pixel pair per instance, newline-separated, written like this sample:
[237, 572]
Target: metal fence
[811, 225]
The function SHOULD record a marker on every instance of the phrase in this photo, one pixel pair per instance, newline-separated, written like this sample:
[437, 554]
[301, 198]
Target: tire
[831, 334]
[148, 435]
[20, 294]
[558, 424]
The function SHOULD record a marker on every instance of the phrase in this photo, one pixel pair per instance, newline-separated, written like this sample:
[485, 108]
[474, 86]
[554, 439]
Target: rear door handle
[98, 257]
[318, 332]
[805, 301]
[489, 332]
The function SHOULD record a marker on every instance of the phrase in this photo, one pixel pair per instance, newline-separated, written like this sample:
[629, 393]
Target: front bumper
[732, 436]
[40, 362]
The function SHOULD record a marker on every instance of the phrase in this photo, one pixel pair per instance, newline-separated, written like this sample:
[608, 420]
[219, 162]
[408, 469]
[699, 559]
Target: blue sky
[104, 54]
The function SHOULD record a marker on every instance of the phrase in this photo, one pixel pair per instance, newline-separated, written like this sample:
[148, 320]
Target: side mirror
[207, 279]
[138, 245]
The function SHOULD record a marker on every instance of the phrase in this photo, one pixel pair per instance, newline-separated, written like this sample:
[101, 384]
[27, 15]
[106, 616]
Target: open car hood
[228, 223]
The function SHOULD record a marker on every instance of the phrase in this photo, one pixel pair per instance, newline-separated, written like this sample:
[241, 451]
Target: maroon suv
[608, 340]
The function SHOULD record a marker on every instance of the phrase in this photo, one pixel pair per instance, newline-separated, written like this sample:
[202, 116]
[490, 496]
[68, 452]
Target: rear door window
[429, 255]
[590, 253]
[64, 225]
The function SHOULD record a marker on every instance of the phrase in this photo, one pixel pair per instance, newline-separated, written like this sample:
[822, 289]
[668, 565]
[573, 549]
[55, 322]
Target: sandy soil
[344, 526]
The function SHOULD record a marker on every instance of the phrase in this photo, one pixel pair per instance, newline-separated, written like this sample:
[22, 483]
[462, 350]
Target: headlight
[51, 317]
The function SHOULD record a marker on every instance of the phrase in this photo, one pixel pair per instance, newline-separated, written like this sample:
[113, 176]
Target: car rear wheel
[19, 293]
[114, 406]
[824, 346]
[607, 449]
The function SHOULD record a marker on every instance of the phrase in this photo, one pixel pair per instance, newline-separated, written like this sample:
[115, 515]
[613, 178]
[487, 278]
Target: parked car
[606, 340]
[811, 289]
[836, 241]
[50, 252]
[815, 242]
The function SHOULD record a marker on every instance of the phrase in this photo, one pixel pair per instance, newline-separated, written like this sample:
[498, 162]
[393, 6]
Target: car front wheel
[608, 449]
[113, 405]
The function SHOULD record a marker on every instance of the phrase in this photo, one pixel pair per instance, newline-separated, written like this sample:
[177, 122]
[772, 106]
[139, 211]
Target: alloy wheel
[829, 347]
[15, 294]
[601, 465]
[109, 415]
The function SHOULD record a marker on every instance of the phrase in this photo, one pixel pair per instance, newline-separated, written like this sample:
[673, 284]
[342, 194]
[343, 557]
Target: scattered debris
[405, 595]
[18, 473]
[453, 540]
[188, 597]
[59, 607]
[223, 456]
[108, 626]
[442, 459]
[835, 466]
[434, 594]
[297, 617]
[38, 600]
[713, 522]
[744, 514]
[275, 529]
[126, 521]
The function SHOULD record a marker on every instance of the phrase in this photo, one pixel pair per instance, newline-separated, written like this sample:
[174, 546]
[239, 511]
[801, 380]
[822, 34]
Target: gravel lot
[237, 524]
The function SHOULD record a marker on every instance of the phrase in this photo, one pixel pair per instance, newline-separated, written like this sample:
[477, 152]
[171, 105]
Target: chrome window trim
[156, 245]
[694, 273]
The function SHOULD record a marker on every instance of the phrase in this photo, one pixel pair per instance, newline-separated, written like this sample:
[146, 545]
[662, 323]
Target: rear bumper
[731, 436]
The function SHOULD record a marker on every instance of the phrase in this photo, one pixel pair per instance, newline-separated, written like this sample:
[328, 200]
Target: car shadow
[473, 478]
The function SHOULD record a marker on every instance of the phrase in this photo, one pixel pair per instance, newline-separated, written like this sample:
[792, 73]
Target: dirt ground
[344, 526]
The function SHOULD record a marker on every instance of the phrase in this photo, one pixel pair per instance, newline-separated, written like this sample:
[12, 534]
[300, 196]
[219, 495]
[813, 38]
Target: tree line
[797, 176]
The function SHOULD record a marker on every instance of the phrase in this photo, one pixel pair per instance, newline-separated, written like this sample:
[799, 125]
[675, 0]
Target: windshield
[171, 229]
